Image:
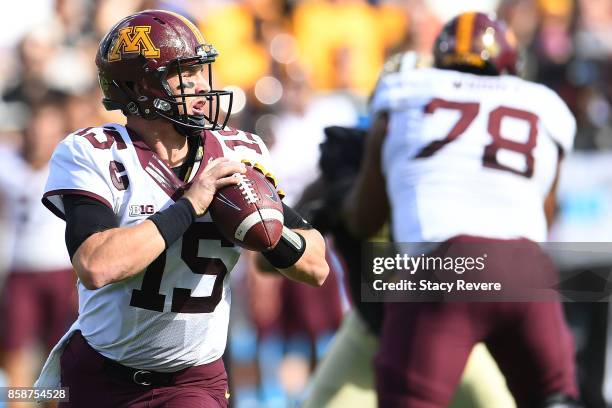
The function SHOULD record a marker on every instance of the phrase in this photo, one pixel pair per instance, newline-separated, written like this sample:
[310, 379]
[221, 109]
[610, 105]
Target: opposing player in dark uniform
[153, 287]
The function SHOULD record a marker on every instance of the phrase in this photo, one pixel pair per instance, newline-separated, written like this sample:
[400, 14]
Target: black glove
[341, 152]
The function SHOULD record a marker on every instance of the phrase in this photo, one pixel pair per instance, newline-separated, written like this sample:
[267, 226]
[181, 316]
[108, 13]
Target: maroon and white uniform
[175, 314]
[37, 299]
[470, 154]
[471, 159]
[38, 245]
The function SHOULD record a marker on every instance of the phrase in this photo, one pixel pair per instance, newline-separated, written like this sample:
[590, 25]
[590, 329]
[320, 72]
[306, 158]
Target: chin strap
[194, 127]
[193, 123]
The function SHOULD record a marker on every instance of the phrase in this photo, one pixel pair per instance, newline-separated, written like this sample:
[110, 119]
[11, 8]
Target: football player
[345, 377]
[464, 153]
[38, 300]
[153, 288]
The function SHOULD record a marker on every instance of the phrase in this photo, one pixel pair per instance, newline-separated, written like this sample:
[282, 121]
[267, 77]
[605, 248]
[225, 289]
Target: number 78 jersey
[469, 154]
[175, 314]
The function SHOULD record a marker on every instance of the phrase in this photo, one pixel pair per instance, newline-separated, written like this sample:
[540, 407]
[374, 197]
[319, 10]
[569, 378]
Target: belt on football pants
[141, 377]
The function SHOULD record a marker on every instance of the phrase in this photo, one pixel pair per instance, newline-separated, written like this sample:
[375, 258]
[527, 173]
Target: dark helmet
[474, 42]
[135, 58]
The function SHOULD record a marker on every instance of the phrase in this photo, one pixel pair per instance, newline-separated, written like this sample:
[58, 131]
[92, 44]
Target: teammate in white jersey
[38, 299]
[346, 376]
[153, 289]
[461, 153]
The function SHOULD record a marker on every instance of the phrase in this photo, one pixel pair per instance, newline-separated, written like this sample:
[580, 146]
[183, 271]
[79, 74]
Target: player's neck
[169, 145]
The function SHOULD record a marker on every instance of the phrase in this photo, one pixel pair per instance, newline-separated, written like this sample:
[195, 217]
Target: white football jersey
[38, 236]
[175, 314]
[469, 154]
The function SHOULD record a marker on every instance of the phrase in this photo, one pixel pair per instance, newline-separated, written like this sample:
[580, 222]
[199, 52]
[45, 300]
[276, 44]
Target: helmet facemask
[174, 106]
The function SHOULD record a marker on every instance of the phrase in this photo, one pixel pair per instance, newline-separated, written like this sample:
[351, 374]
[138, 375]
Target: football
[249, 214]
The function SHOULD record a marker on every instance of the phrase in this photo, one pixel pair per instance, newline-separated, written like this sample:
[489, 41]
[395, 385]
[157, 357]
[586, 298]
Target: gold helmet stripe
[189, 24]
[465, 27]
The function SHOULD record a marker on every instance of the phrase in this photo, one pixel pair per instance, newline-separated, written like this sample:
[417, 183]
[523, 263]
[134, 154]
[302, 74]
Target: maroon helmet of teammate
[135, 58]
[477, 43]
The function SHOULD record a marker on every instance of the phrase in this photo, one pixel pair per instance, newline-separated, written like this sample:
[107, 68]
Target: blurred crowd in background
[296, 67]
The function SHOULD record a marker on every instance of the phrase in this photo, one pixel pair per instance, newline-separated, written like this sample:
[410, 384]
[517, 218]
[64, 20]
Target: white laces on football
[246, 187]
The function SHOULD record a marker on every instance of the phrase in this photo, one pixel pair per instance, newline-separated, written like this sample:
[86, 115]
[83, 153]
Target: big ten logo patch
[141, 209]
[133, 40]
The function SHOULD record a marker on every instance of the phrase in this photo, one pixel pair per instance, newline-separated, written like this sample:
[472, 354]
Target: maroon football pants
[91, 386]
[424, 346]
[36, 305]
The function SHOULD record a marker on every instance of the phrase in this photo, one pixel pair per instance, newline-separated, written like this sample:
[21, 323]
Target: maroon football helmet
[135, 58]
[474, 42]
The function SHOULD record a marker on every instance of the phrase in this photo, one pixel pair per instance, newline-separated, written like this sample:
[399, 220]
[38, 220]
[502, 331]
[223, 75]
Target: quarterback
[467, 152]
[152, 267]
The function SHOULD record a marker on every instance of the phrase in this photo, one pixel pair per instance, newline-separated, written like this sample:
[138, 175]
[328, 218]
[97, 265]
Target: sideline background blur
[296, 67]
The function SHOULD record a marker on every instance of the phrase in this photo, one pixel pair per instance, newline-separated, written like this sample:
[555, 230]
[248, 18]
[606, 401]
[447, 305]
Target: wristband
[288, 250]
[174, 220]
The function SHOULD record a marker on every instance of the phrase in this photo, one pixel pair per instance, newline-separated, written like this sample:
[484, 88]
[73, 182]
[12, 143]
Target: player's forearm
[312, 267]
[117, 254]
[550, 202]
[366, 207]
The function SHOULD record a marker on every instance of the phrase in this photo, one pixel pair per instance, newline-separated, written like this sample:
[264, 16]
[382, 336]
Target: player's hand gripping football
[217, 174]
